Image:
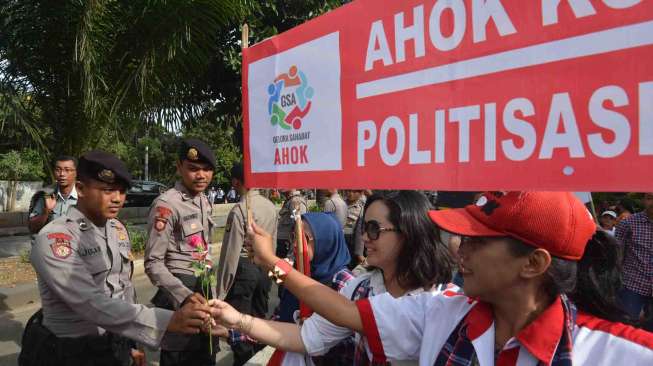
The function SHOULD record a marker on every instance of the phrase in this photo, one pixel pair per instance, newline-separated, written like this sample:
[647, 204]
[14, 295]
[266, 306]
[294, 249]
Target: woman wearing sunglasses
[405, 257]
[540, 289]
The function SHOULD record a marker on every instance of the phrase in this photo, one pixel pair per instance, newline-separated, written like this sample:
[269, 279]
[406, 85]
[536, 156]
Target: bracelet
[245, 323]
[280, 270]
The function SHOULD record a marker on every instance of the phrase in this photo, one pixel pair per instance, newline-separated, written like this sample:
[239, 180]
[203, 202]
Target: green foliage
[265, 19]
[25, 256]
[314, 208]
[122, 75]
[21, 165]
[137, 238]
[98, 65]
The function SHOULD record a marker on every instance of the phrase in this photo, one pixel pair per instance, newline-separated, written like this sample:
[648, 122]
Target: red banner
[455, 95]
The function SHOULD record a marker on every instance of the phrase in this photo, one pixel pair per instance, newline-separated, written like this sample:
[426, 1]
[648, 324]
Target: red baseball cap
[555, 221]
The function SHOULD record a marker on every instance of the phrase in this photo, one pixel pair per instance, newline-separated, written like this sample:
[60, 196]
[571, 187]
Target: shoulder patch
[160, 223]
[161, 219]
[63, 236]
[61, 245]
[163, 211]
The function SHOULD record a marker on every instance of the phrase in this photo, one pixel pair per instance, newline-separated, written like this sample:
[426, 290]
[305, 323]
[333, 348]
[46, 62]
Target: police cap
[196, 151]
[104, 167]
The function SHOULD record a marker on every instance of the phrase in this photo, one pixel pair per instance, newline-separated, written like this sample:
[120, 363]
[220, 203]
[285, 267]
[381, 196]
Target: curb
[261, 358]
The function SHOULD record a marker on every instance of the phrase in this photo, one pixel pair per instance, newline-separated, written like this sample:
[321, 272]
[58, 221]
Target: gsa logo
[290, 99]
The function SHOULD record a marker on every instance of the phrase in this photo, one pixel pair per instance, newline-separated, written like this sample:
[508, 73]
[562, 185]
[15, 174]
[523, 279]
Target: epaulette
[121, 228]
[82, 224]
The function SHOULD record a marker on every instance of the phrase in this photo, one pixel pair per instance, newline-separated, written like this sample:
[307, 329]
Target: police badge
[192, 154]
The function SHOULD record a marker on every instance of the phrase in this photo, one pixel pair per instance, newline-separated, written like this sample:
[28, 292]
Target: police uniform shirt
[353, 213]
[265, 216]
[84, 275]
[175, 218]
[61, 207]
[286, 222]
[337, 205]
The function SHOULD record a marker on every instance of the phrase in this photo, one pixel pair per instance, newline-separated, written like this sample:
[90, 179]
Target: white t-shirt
[417, 328]
[319, 335]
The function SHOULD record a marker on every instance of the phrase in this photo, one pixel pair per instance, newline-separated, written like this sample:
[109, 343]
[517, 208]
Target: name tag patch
[190, 217]
[86, 252]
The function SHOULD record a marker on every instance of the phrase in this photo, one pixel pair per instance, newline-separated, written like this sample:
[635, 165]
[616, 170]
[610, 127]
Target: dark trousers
[40, 347]
[283, 248]
[249, 295]
[634, 304]
[197, 352]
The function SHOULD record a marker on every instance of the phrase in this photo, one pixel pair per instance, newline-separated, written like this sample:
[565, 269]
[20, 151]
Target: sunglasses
[373, 229]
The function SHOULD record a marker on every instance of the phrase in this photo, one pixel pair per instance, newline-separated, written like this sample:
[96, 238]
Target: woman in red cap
[540, 284]
[405, 258]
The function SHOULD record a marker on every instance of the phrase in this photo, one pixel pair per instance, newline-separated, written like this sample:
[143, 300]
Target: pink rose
[196, 241]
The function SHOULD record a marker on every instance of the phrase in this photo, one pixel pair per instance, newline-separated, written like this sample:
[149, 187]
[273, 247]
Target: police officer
[179, 214]
[335, 204]
[84, 266]
[240, 282]
[354, 210]
[49, 204]
[294, 199]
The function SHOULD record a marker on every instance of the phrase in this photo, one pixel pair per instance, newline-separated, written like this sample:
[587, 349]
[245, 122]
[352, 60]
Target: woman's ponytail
[598, 279]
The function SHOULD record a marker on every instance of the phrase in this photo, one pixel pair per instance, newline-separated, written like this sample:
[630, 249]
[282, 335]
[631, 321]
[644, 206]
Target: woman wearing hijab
[405, 258]
[540, 282]
[327, 252]
[328, 255]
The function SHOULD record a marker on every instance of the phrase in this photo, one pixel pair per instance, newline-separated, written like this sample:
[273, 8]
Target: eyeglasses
[293, 236]
[373, 229]
[64, 170]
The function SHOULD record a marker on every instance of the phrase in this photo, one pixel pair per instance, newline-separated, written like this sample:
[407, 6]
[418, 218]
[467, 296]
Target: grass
[138, 238]
[24, 255]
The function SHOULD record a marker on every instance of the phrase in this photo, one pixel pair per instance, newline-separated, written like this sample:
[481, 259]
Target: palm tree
[93, 66]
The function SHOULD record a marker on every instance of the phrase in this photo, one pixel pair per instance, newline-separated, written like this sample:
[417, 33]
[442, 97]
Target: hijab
[330, 256]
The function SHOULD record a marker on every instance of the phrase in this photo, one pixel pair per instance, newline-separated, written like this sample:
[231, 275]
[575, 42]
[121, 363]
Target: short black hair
[423, 260]
[65, 158]
[628, 204]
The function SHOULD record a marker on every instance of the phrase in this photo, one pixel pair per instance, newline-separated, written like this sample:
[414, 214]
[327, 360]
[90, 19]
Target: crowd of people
[514, 278]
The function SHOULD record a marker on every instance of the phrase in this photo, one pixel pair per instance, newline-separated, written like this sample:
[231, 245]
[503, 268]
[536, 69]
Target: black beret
[104, 167]
[237, 172]
[197, 151]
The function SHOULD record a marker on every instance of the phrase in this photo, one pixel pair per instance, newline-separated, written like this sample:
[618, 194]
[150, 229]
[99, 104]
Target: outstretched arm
[317, 296]
[285, 336]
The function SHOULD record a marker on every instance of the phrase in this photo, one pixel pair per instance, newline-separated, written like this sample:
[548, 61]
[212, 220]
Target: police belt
[39, 342]
[162, 299]
[179, 342]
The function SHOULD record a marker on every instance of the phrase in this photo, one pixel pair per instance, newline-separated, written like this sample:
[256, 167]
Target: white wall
[24, 193]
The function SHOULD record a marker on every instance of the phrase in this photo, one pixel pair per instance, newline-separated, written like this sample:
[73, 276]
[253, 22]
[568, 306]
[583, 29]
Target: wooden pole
[245, 36]
[248, 199]
[299, 239]
[593, 209]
